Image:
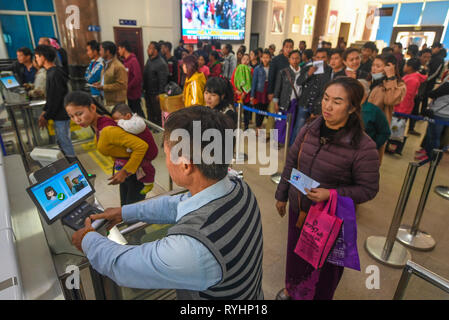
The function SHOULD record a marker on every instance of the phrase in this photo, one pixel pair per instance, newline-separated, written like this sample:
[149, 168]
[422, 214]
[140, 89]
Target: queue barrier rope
[421, 118]
[265, 113]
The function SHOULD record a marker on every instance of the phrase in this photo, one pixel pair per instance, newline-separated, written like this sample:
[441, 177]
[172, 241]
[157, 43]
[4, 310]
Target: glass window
[42, 27]
[386, 24]
[15, 33]
[410, 13]
[40, 5]
[12, 5]
[435, 13]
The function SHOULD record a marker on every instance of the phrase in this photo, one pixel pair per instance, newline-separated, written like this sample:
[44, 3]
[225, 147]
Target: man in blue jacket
[93, 72]
[215, 248]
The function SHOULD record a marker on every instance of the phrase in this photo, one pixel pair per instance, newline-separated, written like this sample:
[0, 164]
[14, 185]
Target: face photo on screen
[51, 194]
[75, 181]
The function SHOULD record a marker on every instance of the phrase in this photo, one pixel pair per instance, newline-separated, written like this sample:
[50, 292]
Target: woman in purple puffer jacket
[335, 151]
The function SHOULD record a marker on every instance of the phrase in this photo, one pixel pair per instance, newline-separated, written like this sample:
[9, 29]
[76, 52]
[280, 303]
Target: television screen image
[213, 19]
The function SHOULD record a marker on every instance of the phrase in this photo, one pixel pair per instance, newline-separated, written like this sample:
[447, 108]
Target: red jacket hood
[416, 75]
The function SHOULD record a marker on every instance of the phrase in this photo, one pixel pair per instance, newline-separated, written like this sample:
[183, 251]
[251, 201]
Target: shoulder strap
[289, 77]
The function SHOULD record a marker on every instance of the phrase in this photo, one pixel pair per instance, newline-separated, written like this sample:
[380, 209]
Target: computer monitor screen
[10, 82]
[61, 193]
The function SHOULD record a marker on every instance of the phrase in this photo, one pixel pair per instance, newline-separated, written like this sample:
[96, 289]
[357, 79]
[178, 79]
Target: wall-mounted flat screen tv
[213, 19]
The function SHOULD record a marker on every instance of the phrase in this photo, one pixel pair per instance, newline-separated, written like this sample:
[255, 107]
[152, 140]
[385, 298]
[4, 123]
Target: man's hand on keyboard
[113, 215]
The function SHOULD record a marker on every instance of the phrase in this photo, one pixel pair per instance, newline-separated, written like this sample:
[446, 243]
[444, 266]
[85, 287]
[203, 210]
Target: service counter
[27, 263]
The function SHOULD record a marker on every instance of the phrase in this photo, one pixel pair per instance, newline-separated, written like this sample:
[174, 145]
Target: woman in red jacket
[335, 151]
[214, 64]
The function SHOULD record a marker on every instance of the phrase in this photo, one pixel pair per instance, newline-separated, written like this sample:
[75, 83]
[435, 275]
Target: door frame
[437, 29]
[138, 30]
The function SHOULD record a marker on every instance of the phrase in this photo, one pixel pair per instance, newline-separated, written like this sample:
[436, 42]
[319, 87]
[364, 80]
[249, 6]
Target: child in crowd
[134, 124]
[242, 81]
[259, 90]
[413, 80]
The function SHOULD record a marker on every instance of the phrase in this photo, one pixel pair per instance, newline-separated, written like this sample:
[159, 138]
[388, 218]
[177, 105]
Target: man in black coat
[279, 63]
[56, 90]
[313, 84]
[435, 68]
[155, 78]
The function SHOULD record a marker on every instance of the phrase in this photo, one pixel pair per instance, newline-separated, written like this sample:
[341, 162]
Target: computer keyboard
[76, 218]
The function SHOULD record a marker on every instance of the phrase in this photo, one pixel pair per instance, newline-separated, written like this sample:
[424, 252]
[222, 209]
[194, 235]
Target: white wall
[159, 19]
[262, 19]
[348, 13]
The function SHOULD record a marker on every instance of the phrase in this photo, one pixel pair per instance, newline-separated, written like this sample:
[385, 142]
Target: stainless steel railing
[413, 268]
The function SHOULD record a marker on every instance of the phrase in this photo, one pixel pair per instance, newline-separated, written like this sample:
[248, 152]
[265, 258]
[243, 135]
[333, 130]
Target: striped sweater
[231, 228]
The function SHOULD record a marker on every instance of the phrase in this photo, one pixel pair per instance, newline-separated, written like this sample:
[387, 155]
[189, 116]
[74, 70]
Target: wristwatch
[392, 78]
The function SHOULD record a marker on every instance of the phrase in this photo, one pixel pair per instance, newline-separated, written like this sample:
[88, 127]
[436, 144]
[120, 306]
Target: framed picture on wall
[279, 16]
[333, 17]
[309, 20]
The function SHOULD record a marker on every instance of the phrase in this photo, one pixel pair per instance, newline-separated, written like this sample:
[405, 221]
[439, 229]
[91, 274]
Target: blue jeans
[301, 117]
[63, 138]
[433, 136]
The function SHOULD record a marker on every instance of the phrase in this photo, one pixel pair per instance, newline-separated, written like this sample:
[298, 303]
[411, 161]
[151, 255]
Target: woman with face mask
[387, 88]
[352, 60]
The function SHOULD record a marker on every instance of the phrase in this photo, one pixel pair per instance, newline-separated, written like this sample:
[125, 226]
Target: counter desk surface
[38, 273]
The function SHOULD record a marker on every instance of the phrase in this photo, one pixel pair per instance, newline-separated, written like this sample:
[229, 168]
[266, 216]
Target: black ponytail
[83, 99]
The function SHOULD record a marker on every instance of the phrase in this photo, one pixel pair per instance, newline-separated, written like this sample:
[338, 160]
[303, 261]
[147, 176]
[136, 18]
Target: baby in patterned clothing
[135, 125]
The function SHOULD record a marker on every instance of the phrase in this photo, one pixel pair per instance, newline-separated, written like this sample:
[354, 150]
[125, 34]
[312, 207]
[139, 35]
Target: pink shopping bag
[319, 232]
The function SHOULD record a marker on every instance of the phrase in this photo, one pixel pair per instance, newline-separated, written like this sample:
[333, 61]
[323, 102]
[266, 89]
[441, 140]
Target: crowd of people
[342, 102]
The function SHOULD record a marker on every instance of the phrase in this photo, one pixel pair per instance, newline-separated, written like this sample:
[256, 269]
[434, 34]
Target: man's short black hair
[199, 44]
[94, 45]
[370, 45]
[295, 52]
[387, 50]
[25, 51]
[228, 47]
[398, 44]
[288, 41]
[125, 44]
[303, 42]
[414, 63]
[209, 119]
[336, 51]
[122, 108]
[308, 53]
[168, 45]
[423, 51]
[109, 46]
[323, 50]
[156, 45]
[413, 49]
[48, 52]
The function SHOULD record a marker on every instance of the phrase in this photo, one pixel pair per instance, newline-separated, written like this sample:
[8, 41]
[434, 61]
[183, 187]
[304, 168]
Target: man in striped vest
[215, 248]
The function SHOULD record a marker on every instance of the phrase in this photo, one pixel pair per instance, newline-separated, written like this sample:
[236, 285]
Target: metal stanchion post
[239, 157]
[411, 236]
[403, 283]
[442, 191]
[386, 249]
[276, 178]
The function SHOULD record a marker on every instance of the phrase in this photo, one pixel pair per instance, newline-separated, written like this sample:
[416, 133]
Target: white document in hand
[301, 182]
[320, 67]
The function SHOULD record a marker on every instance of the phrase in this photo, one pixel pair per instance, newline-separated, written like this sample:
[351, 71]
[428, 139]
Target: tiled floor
[374, 218]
